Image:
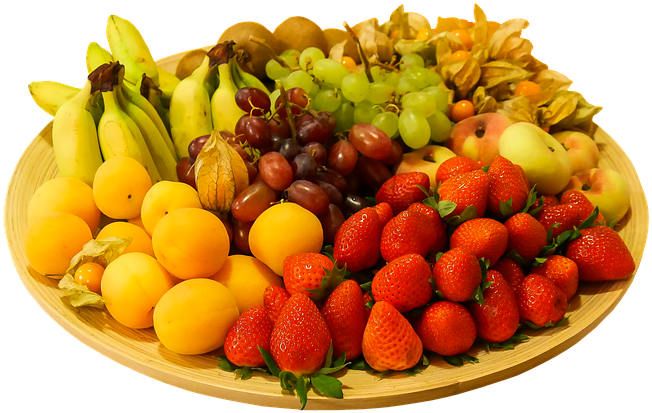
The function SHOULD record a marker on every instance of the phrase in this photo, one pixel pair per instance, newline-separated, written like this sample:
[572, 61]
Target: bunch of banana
[224, 110]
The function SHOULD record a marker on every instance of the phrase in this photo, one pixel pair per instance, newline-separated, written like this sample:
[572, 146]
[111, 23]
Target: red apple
[581, 148]
[477, 137]
[605, 188]
[426, 160]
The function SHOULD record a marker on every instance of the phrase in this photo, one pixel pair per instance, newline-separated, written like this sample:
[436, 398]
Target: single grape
[299, 79]
[314, 90]
[372, 172]
[276, 141]
[419, 75]
[378, 74]
[291, 53]
[420, 102]
[413, 128]
[296, 96]
[370, 140]
[387, 122]
[440, 126]
[332, 177]
[275, 170]
[395, 154]
[328, 120]
[365, 111]
[253, 101]
[354, 203]
[309, 195]
[304, 166]
[312, 130]
[241, 235]
[275, 95]
[274, 70]
[406, 85]
[355, 87]
[344, 116]
[309, 56]
[330, 71]
[441, 97]
[252, 201]
[239, 129]
[317, 151]
[342, 157]
[411, 59]
[392, 78]
[327, 99]
[196, 146]
[279, 126]
[380, 92]
[185, 172]
[433, 78]
[251, 170]
[240, 150]
[257, 133]
[289, 149]
[334, 195]
[331, 220]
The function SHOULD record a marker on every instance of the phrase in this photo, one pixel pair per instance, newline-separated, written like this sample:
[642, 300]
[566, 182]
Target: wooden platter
[141, 351]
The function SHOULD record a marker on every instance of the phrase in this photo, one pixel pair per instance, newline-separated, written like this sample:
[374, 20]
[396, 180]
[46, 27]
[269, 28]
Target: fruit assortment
[297, 205]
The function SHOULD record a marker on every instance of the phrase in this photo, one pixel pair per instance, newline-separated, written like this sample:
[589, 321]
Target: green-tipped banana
[165, 161]
[50, 96]
[190, 109]
[247, 79]
[129, 48]
[152, 93]
[96, 56]
[167, 83]
[224, 110]
[74, 138]
[235, 76]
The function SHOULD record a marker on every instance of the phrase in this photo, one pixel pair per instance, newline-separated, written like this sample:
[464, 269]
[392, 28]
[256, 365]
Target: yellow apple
[543, 159]
[477, 137]
[426, 160]
[581, 148]
[605, 188]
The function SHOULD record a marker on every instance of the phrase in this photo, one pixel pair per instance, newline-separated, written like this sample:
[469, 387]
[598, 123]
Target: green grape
[433, 77]
[411, 59]
[392, 78]
[298, 78]
[355, 87]
[330, 71]
[274, 70]
[291, 52]
[419, 75]
[387, 122]
[274, 95]
[440, 95]
[365, 112]
[309, 57]
[406, 85]
[420, 102]
[344, 116]
[380, 92]
[440, 126]
[378, 74]
[414, 129]
[327, 99]
[314, 91]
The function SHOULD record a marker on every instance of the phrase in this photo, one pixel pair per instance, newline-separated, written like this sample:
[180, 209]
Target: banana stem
[363, 56]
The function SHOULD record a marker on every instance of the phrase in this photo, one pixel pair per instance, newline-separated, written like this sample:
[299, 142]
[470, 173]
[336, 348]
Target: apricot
[132, 285]
[191, 243]
[64, 194]
[120, 186]
[164, 197]
[54, 239]
[284, 229]
[140, 240]
[137, 221]
[246, 277]
[194, 316]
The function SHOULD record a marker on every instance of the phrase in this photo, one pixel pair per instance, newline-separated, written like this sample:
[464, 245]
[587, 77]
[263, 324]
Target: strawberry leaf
[538, 261]
[508, 344]
[445, 208]
[288, 380]
[328, 251]
[531, 200]
[269, 360]
[458, 360]
[425, 191]
[366, 287]
[225, 364]
[327, 385]
[244, 373]
[590, 220]
[505, 208]
[329, 356]
[478, 297]
[302, 391]
[517, 258]
[549, 324]
[359, 364]
[332, 279]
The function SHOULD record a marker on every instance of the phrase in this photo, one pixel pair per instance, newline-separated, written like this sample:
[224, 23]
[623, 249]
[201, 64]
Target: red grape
[372, 172]
[252, 201]
[342, 157]
[196, 146]
[275, 170]
[395, 154]
[289, 149]
[185, 173]
[308, 195]
[253, 101]
[279, 126]
[241, 235]
[332, 177]
[239, 128]
[354, 203]
[334, 195]
[251, 169]
[257, 133]
[240, 150]
[304, 166]
[331, 220]
[296, 96]
[370, 140]
[317, 151]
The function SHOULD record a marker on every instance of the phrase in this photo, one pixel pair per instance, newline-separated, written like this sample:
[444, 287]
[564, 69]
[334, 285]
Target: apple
[605, 188]
[476, 137]
[543, 159]
[426, 160]
[581, 148]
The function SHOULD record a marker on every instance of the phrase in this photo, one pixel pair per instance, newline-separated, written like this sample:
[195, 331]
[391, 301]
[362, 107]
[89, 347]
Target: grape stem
[272, 53]
[288, 109]
[363, 56]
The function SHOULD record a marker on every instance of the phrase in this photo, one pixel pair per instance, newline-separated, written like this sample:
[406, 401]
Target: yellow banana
[96, 56]
[165, 161]
[152, 93]
[224, 110]
[119, 136]
[167, 83]
[74, 138]
[50, 96]
[190, 109]
[237, 79]
[129, 48]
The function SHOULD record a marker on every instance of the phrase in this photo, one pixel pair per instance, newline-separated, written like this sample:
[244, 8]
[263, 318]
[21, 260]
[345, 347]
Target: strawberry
[446, 328]
[468, 189]
[401, 190]
[455, 166]
[274, 299]
[600, 255]
[357, 241]
[525, 235]
[578, 198]
[389, 341]
[300, 339]
[252, 329]
[508, 192]
[346, 316]
[566, 215]
[311, 273]
[498, 318]
[384, 211]
[546, 201]
[457, 274]
[409, 232]
[562, 271]
[540, 301]
[484, 237]
[404, 282]
[368, 302]
[441, 243]
[510, 270]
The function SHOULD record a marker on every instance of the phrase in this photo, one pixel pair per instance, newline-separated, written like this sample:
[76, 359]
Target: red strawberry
[457, 274]
[566, 215]
[578, 198]
[404, 282]
[409, 232]
[274, 299]
[300, 338]
[526, 235]
[346, 316]
[441, 243]
[252, 329]
[357, 241]
[465, 190]
[548, 200]
[484, 237]
[562, 271]
[540, 301]
[401, 190]
[304, 272]
[600, 255]
[455, 166]
[510, 270]
[506, 186]
[498, 318]
[384, 211]
[446, 328]
[389, 341]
